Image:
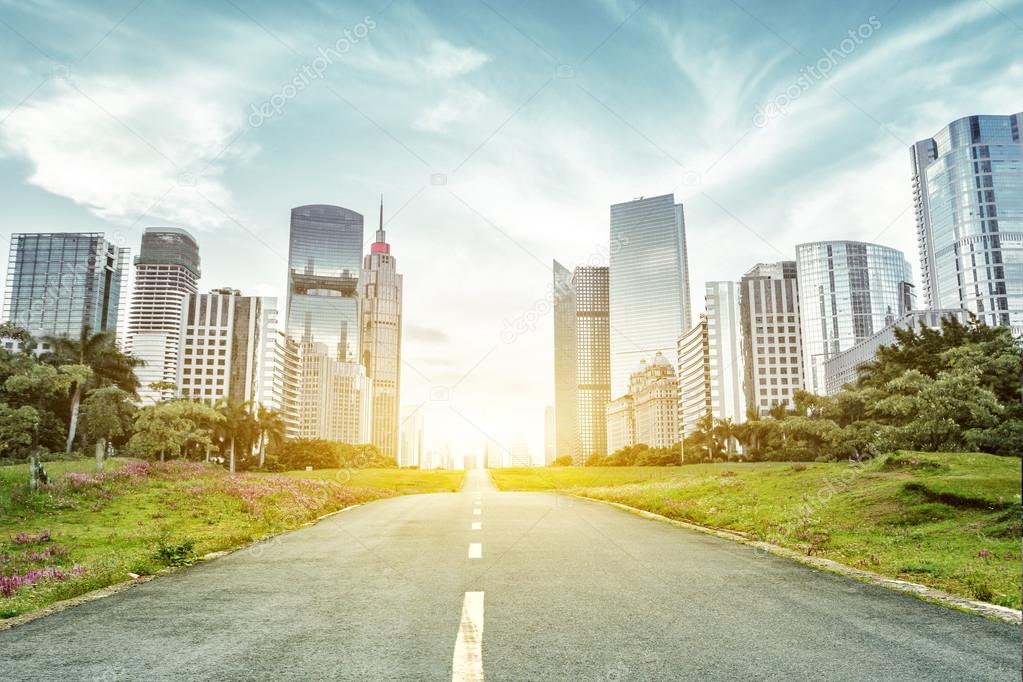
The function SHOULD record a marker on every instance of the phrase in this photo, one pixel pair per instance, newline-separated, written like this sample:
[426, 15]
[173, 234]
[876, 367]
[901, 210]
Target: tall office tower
[771, 343]
[278, 370]
[58, 283]
[694, 395]
[968, 194]
[220, 346]
[648, 413]
[166, 271]
[724, 335]
[847, 291]
[413, 435]
[582, 364]
[550, 435]
[519, 452]
[649, 283]
[381, 338]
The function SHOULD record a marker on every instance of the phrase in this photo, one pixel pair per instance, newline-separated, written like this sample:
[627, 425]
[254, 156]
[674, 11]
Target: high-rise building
[58, 283]
[649, 411]
[694, 395]
[278, 370]
[166, 271]
[519, 452]
[968, 195]
[582, 364]
[219, 347]
[335, 398]
[381, 338]
[724, 337]
[847, 291]
[771, 342]
[550, 435]
[413, 435]
[648, 283]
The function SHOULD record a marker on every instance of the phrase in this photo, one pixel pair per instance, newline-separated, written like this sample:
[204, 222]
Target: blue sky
[498, 132]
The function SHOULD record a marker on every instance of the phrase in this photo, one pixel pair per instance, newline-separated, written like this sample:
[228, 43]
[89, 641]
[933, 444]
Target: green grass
[116, 524]
[948, 520]
[401, 481]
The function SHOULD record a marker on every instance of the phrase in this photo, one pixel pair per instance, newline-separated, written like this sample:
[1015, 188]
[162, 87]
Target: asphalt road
[563, 589]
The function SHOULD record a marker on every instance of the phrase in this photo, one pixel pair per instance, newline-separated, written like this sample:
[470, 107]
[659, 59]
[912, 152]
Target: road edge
[93, 595]
[923, 592]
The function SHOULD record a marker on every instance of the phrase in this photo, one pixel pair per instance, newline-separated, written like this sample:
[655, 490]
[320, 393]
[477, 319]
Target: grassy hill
[948, 520]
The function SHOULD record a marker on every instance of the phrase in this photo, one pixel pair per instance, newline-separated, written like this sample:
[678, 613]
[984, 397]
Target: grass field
[88, 530]
[951, 521]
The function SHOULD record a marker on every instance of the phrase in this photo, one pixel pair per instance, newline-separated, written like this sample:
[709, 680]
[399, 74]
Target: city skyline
[752, 178]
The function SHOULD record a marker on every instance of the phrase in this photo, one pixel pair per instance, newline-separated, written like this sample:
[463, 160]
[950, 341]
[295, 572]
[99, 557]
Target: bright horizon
[499, 139]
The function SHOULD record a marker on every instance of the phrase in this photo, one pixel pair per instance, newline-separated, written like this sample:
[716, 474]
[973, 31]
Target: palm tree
[97, 352]
[271, 429]
[237, 429]
[725, 430]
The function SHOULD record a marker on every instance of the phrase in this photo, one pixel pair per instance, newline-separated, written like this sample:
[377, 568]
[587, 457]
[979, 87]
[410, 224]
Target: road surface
[513, 586]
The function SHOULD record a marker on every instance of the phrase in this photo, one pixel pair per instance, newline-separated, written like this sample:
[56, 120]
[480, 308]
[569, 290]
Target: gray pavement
[572, 590]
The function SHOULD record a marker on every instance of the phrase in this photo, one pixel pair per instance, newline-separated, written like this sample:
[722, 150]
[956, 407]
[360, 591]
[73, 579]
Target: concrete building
[772, 354]
[278, 376]
[648, 283]
[847, 291]
[649, 410]
[968, 196]
[166, 271]
[335, 398]
[60, 282]
[621, 423]
[694, 395]
[843, 368]
[582, 363]
[519, 452]
[413, 437]
[724, 338]
[381, 338]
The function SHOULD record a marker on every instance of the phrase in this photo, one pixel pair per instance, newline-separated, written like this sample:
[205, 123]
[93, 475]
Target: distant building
[278, 375]
[772, 354]
[335, 398]
[520, 453]
[166, 271]
[694, 394]
[582, 364]
[968, 196]
[413, 435]
[844, 368]
[847, 291]
[724, 337]
[550, 440]
[58, 283]
[381, 338]
[649, 410]
[649, 304]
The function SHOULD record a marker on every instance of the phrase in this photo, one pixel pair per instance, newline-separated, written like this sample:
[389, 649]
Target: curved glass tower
[324, 263]
[847, 291]
[968, 192]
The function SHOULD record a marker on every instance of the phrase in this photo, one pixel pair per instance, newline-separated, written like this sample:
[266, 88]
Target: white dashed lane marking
[475, 550]
[477, 525]
[467, 664]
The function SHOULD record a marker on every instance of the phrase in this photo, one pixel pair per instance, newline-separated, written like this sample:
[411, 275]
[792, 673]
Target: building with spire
[381, 338]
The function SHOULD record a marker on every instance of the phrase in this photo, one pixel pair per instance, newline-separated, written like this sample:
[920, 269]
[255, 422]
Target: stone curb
[980, 608]
[57, 607]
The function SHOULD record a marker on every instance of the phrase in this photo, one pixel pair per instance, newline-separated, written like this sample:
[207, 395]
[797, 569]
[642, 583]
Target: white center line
[467, 664]
[477, 525]
[475, 550]
[477, 512]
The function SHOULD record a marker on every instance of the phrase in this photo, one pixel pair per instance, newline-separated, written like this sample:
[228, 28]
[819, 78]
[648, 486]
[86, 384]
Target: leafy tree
[106, 416]
[107, 366]
[238, 429]
[563, 461]
[17, 427]
[26, 342]
[172, 428]
[35, 385]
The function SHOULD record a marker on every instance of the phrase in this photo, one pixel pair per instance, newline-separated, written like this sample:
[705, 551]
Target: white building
[336, 398]
[649, 410]
[725, 368]
[278, 373]
[413, 437]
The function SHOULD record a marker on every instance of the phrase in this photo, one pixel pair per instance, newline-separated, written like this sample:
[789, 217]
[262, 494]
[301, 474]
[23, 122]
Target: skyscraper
[694, 398]
[649, 283]
[381, 338]
[413, 437]
[166, 271]
[550, 435]
[968, 195]
[847, 291]
[278, 369]
[57, 283]
[724, 336]
[771, 342]
[582, 363]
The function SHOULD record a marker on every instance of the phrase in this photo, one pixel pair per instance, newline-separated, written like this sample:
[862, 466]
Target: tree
[106, 416]
[106, 363]
[26, 342]
[173, 427]
[17, 426]
[271, 430]
[724, 431]
[563, 461]
[238, 428]
[35, 385]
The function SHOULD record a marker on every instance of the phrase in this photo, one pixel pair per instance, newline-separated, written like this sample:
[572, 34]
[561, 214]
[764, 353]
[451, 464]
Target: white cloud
[458, 105]
[127, 149]
[446, 61]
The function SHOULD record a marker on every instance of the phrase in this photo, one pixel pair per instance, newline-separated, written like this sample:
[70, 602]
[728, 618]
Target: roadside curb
[980, 608]
[57, 607]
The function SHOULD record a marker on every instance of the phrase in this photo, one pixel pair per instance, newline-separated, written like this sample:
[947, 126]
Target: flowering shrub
[30, 539]
[9, 584]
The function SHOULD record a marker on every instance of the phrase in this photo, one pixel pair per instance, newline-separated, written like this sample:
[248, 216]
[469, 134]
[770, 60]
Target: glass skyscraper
[847, 291]
[968, 193]
[324, 263]
[649, 283]
[59, 282]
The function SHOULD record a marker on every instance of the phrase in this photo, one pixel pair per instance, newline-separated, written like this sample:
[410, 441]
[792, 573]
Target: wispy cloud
[445, 60]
